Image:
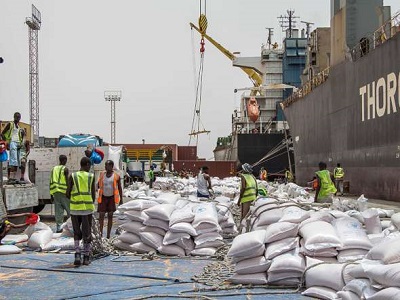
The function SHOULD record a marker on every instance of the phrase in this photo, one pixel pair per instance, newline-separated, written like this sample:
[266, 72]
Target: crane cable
[196, 121]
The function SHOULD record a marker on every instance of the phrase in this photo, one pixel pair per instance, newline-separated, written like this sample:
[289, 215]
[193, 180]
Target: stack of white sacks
[334, 254]
[172, 225]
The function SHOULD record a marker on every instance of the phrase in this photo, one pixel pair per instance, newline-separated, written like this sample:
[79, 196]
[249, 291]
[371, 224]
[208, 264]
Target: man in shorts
[110, 194]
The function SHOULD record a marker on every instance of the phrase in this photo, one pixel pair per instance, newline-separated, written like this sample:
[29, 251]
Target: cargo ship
[265, 141]
[349, 112]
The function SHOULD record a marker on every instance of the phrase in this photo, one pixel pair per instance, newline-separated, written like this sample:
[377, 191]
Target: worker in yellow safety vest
[248, 190]
[326, 189]
[14, 134]
[110, 194]
[58, 190]
[288, 176]
[338, 174]
[82, 194]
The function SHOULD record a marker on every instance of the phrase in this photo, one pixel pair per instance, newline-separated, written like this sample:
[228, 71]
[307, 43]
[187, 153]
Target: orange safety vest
[115, 186]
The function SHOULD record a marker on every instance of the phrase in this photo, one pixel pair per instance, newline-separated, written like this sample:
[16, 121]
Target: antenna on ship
[288, 22]
[308, 27]
[270, 34]
[196, 121]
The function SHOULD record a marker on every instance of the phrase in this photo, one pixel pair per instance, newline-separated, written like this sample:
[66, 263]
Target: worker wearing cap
[248, 190]
[326, 188]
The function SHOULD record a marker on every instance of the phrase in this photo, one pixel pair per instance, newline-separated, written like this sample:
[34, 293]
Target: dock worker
[110, 194]
[248, 190]
[82, 194]
[58, 190]
[338, 174]
[151, 176]
[6, 225]
[325, 189]
[288, 176]
[13, 134]
[203, 183]
[263, 174]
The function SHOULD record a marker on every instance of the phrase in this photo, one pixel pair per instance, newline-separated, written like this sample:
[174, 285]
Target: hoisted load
[253, 110]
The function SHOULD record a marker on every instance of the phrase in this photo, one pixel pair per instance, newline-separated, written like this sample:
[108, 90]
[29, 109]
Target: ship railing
[306, 88]
[377, 38]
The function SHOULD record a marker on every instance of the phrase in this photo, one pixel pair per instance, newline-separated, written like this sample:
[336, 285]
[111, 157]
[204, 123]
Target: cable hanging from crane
[197, 125]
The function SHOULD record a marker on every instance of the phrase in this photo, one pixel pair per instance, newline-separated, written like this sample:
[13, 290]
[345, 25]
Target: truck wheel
[18, 220]
[38, 208]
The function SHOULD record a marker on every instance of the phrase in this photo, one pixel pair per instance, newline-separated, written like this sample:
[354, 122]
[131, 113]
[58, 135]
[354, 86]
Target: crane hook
[202, 43]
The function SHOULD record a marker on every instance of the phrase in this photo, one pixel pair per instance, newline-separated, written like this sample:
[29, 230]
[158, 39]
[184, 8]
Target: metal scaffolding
[113, 96]
[34, 24]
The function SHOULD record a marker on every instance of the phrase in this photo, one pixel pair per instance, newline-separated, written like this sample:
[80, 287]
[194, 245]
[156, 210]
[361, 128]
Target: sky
[146, 50]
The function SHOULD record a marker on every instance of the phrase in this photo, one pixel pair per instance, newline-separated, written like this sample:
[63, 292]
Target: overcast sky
[145, 49]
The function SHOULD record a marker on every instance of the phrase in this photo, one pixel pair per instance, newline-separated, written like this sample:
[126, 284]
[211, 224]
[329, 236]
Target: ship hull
[353, 118]
[251, 148]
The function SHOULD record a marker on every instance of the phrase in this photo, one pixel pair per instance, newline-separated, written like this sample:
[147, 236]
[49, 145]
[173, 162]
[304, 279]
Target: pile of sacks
[328, 251]
[172, 225]
[227, 187]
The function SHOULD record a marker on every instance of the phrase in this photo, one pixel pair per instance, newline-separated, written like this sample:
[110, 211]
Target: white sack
[14, 239]
[61, 243]
[151, 239]
[351, 255]
[139, 205]
[157, 223]
[320, 293]
[37, 227]
[268, 217]
[129, 238]
[173, 237]
[361, 287]
[155, 229]
[281, 230]
[9, 249]
[161, 211]
[207, 237]
[347, 295]
[245, 245]
[294, 214]
[319, 235]
[388, 251]
[252, 265]
[132, 227]
[255, 278]
[371, 221]
[289, 261]
[351, 234]
[184, 214]
[395, 219]
[174, 250]
[114, 154]
[203, 252]
[205, 213]
[279, 247]
[385, 275]
[136, 215]
[317, 275]
[183, 227]
[390, 293]
[40, 238]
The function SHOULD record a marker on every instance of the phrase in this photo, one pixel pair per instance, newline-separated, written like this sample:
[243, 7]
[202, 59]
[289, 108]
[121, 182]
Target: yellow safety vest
[58, 182]
[250, 192]
[7, 134]
[338, 173]
[81, 194]
[327, 187]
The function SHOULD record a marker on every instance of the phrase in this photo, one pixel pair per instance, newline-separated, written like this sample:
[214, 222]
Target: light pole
[113, 96]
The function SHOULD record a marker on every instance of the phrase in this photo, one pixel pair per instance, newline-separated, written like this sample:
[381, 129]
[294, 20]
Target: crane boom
[255, 77]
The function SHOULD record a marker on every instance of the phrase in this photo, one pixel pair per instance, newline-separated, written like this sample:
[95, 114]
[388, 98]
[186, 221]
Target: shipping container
[187, 152]
[219, 169]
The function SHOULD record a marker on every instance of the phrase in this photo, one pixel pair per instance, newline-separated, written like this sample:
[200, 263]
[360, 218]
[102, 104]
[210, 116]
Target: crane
[254, 76]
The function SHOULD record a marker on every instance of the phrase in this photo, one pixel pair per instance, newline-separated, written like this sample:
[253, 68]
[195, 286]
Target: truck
[44, 159]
